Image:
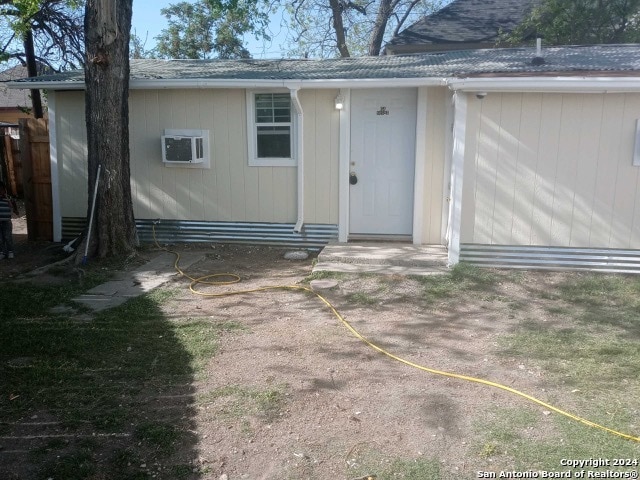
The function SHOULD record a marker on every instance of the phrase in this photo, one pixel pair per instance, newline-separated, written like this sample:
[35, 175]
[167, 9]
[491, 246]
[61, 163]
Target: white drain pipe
[299, 141]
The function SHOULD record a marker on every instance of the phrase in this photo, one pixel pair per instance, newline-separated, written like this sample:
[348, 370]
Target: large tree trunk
[32, 71]
[107, 26]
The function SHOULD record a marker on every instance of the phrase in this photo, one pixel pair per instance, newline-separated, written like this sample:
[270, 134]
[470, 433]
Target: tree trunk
[338, 26]
[377, 34]
[107, 26]
[32, 71]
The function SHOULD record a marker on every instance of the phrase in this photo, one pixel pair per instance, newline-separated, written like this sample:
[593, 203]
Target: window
[271, 127]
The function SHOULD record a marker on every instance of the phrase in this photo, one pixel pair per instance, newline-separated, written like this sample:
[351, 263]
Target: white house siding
[71, 140]
[321, 150]
[433, 229]
[230, 190]
[553, 170]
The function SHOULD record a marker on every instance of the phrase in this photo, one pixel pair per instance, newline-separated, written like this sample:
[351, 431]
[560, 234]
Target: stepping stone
[320, 285]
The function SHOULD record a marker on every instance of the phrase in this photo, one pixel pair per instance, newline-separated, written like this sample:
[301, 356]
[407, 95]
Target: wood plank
[545, 182]
[37, 178]
[563, 200]
[507, 222]
[486, 167]
[589, 127]
[610, 148]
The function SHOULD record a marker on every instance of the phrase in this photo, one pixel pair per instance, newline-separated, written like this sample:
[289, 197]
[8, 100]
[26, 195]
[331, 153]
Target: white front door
[382, 161]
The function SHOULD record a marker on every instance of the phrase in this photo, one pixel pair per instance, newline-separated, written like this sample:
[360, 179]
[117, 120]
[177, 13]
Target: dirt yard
[292, 394]
[341, 409]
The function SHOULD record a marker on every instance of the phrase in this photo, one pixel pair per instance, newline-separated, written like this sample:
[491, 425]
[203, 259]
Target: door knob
[353, 179]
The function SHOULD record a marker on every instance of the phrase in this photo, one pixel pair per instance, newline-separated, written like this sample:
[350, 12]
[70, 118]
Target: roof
[13, 98]
[466, 21]
[594, 59]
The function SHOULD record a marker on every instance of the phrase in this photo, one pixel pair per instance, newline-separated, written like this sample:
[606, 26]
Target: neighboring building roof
[461, 24]
[591, 60]
[13, 98]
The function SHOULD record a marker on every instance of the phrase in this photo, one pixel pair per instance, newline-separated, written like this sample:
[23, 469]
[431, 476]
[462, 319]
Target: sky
[147, 23]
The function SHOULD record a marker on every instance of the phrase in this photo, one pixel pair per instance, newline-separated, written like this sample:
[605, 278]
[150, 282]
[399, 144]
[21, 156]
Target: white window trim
[252, 129]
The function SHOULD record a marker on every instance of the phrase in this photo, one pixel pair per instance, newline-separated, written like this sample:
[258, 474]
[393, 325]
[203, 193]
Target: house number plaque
[382, 111]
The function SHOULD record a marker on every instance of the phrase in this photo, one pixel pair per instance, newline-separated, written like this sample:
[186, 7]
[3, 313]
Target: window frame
[252, 131]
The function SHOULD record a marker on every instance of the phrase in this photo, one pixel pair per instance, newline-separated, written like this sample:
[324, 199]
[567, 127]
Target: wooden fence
[36, 174]
[10, 152]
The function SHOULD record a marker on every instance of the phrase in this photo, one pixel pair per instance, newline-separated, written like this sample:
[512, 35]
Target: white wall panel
[230, 190]
[434, 195]
[552, 169]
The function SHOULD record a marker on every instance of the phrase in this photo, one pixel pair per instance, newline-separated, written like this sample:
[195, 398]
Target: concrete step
[379, 269]
[386, 258]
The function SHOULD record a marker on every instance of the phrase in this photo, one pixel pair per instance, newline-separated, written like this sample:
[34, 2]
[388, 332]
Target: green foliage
[57, 29]
[580, 22]
[137, 47]
[209, 29]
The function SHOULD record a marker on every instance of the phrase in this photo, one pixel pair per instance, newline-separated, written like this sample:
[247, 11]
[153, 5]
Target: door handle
[353, 178]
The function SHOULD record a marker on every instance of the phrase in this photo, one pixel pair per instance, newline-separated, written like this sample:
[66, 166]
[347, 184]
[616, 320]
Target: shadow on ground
[100, 396]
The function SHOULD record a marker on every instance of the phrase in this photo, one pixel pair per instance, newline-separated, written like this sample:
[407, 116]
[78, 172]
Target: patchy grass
[462, 278]
[593, 347]
[605, 301]
[573, 356]
[161, 436]
[323, 275]
[94, 378]
[378, 466]
[510, 438]
[588, 350]
[122, 385]
[238, 402]
[26, 300]
[362, 298]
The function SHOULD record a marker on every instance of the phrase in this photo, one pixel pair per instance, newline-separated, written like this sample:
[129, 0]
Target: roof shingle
[466, 21]
[624, 59]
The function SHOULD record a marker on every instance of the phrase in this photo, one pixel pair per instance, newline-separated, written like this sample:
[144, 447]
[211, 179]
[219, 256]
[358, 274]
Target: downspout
[298, 136]
[457, 169]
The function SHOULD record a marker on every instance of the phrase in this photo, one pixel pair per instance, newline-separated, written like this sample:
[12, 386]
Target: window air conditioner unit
[181, 149]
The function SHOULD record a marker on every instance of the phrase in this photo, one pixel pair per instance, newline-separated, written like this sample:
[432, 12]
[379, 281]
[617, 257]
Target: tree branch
[405, 16]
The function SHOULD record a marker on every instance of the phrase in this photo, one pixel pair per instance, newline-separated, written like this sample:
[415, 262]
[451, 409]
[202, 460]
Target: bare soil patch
[290, 393]
[342, 409]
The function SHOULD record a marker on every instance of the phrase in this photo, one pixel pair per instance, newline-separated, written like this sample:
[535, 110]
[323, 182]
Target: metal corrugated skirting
[551, 258]
[167, 231]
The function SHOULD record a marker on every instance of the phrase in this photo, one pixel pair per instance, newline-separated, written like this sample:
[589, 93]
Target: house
[462, 24]
[14, 104]
[504, 161]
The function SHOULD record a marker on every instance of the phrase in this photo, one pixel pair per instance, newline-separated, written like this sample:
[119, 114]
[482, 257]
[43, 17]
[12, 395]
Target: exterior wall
[321, 150]
[230, 190]
[71, 138]
[552, 170]
[435, 134]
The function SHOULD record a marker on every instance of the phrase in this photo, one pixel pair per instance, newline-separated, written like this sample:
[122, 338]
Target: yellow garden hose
[232, 278]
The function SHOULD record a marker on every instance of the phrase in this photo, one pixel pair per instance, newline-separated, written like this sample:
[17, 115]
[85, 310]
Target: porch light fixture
[339, 102]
